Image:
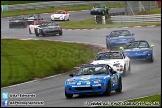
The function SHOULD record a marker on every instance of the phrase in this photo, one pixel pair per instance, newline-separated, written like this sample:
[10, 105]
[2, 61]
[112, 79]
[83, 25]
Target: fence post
[1, 8]
[103, 19]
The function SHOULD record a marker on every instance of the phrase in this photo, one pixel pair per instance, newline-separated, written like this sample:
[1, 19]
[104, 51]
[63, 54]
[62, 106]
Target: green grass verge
[149, 101]
[17, 2]
[152, 11]
[90, 23]
[24, 60]
[48, 10]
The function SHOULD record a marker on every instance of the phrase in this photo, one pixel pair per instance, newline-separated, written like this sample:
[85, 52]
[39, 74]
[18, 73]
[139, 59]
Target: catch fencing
[132, 7]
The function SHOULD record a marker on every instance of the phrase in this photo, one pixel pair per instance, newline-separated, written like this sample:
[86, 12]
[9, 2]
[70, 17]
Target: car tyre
[60, 33]
[152, 59]
[10, 26]
[124, 71]
[108, 89]
[119, 89]
[108, 45]
[42, 33]
[36, 33]
[30, 31]
[129, 70]
[68, 95]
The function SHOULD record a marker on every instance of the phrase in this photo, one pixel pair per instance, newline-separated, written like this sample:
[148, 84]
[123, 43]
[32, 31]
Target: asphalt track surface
[144, 80]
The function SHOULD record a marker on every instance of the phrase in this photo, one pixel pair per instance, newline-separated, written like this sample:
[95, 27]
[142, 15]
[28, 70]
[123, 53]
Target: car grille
[83, 88]
[55, 31]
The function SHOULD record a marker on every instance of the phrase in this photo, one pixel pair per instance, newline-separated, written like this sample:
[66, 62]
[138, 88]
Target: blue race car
[93, 78]
[118, 38]
[138, 50]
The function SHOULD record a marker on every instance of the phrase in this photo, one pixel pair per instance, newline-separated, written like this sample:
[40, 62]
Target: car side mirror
[133, 34]
[71, 75]
[152, 45]
[121, 48]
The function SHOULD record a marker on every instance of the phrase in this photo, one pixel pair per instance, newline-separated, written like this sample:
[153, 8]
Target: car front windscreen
[136, 45]
[59, 12]
[91, 70]
[99, 6]
[45, 24]
[110, 55]
[17, 18]
[120, 33]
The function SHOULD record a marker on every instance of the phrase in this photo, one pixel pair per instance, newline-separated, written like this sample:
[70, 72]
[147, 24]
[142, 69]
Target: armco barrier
[136, 18]
[53, 4]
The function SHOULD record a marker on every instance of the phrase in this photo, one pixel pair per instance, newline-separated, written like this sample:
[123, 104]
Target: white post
[103, 20]
[1, 8]
[95, 18]
[140, 5]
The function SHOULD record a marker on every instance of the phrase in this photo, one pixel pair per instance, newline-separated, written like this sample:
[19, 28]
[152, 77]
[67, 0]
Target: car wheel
[152, 59]
[119, 89]
[10, 26]
[103, 12]
[42, 33]
[36, 33]
[68, 19]
[60, 33]
[108, 89]
[108, 45]
[129, 70]
[124, 71]
[68, 95]
[30, 31]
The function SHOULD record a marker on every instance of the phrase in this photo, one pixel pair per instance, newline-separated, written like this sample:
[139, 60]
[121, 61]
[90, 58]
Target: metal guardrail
[54, 4]
[136, 18]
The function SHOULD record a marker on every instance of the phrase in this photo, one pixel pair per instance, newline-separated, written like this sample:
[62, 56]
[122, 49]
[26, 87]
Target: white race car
[35, 24]
[60, 15]
[116, 59]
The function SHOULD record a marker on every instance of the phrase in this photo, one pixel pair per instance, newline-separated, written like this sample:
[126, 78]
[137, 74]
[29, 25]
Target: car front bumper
[84, 90]
[140, 57]
[52, 32]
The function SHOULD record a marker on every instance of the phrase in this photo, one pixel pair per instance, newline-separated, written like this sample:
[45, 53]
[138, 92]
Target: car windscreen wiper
[99, 73]
[86, 74]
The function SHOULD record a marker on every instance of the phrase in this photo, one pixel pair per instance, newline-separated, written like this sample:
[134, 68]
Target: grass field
[24, 60]
[17, 2]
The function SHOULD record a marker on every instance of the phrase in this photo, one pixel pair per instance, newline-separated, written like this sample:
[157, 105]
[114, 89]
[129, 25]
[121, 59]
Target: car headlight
[146, 52]
[71, 82]
[98, 81]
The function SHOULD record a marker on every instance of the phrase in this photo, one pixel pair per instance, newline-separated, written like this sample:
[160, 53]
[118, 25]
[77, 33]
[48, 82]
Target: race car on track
[118, 38]
[99, 78]
[116, 59]
[60, 15]
[100, 10]
[48, 28]
[139, 50]
[35, 24]
[17, 22]
[32, 17]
